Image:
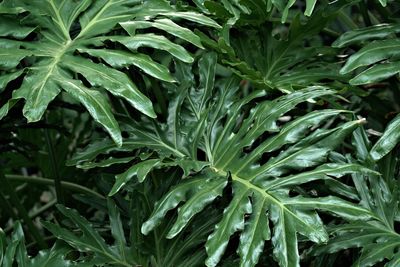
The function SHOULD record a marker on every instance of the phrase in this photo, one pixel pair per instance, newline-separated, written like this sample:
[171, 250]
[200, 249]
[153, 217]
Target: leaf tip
[146, 228]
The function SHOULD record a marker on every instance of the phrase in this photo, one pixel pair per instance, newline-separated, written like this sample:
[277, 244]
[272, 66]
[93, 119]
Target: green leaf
[208, 66]
[6, 78]
[193, 16]
[38, 89]
[337, 206]
[102, 16]
[372, 53]
[8, 7]
[260, 192]
[13, 249]
[97, 106]
[13, 29]
[207, 193]
[98, 147]
[52, 57]
[140, 170]
[104, 163]
[383, 2]
[284, 239]
[117, 229]
[233, 221]
[310, 4]
[389, 139]
[324, 171]
[375, 238]
[166, 25]
[56, 256]
[119, 59]
[376, 73]
[156, 42]
[114, 81]
[10, 58]
[90, 240]
[6, 107]
[374, 32]
[185, 190]
[250, 151]
[256, 232]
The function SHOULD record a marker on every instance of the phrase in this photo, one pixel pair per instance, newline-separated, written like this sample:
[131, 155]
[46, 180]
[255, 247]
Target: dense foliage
[199, 133]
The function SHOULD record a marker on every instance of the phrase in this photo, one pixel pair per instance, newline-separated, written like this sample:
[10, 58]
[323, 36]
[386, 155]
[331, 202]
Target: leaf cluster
[232, 133]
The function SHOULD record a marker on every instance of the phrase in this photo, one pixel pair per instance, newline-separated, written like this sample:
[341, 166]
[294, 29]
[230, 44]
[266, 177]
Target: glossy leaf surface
[261, 208]
[53, 62]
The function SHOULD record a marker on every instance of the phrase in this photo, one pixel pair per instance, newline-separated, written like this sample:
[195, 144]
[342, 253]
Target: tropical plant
[375, 51]
[55, 56]
[378, 237]
[227, 132]
[238, 133]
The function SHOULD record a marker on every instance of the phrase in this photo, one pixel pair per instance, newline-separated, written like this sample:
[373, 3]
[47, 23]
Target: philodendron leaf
[380, 53]
[117, 229]
[90, 239]
[200, 190]
[56, 256]
[166, 25]
[389, 139]
[283, 6]
[239, 137]
[97, 106]
[375, 238]
[360, 35]
[14, 250]
[120, 59]
[376, 73]
[140, 170]
[256, 200]
[56, 57]
[372, 53]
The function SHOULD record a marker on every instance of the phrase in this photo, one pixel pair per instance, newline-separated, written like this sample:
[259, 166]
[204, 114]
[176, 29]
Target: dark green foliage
[240, 133]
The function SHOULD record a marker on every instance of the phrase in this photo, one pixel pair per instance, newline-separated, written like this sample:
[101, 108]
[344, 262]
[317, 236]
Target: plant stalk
[54, 168]
[46, 181]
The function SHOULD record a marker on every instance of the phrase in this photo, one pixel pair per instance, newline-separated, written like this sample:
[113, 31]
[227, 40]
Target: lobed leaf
[373, 32]
[372, 53]
[51, 60]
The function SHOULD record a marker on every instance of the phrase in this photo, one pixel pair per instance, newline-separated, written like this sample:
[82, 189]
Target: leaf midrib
[95, 100]
[59, 21]
[256, 153]
[268, 196]
[95, 19]
[51, 67]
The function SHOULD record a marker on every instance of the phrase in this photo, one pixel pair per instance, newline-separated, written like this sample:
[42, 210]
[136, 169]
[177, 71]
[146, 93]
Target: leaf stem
[364, 13]
[53, 166]
[46, 181]
[345, 19]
